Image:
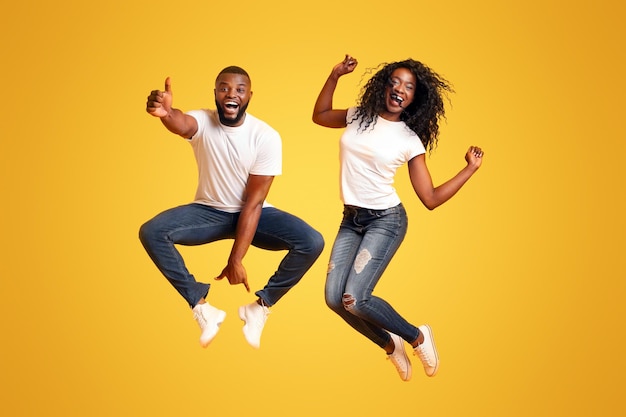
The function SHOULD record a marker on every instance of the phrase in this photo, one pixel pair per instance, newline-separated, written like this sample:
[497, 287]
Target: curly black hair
[422, 115]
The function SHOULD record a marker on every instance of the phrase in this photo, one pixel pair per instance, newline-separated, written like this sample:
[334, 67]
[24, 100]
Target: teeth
[397, 98]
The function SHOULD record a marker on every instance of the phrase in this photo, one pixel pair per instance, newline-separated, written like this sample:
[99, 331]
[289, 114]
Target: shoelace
[423, 355]
[251, 319]
[200, 319]
[266, 312]
[396, 359]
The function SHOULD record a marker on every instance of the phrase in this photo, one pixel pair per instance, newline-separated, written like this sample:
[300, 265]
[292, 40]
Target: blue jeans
[197, 224]
[366, 242]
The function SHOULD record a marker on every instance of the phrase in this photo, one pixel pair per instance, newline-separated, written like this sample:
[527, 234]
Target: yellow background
[521, 275]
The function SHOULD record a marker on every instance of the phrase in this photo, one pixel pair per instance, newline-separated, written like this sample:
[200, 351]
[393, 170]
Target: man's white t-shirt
[226, 156]
[369, 161]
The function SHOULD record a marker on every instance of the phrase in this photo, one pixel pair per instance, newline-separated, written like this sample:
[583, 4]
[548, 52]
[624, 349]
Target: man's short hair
[233, 69]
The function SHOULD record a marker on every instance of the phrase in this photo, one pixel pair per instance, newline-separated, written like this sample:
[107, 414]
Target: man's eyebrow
[224, 82]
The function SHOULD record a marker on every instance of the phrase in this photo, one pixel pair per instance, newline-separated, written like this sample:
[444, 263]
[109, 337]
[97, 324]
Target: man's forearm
[246, 228]
[177, 122]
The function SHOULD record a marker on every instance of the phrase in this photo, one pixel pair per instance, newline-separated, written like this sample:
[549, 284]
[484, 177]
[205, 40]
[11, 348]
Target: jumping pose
[395, 122]
[238, 156]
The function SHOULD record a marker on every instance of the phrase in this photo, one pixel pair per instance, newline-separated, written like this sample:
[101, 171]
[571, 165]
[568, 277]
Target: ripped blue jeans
[366, 242]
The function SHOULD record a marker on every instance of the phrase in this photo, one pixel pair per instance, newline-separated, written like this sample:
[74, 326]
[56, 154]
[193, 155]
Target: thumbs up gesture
[160, 102]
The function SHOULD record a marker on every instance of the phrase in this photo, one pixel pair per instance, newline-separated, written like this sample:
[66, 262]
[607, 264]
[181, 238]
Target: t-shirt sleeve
[350, 114]
[269, 159]
[201, 118]
[416, 148]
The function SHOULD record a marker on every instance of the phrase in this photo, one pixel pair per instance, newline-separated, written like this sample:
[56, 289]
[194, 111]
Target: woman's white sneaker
[399, 358]
[427, 351]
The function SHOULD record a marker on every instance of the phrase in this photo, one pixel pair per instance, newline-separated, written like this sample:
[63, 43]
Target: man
[238, 156]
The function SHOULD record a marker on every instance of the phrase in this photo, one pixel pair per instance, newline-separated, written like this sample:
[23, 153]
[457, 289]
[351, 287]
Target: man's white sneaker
[427, 351]
[254, 315]
[399, 358]
[209, 319]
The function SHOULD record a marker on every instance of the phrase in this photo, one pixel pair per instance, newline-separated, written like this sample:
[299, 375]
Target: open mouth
[397, 98]
[231, 105]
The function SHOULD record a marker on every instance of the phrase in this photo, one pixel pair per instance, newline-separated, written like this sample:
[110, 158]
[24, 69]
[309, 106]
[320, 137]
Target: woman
[395, 122]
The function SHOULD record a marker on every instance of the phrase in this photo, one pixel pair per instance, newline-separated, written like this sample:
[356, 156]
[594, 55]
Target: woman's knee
[334, 303]
[348, 301]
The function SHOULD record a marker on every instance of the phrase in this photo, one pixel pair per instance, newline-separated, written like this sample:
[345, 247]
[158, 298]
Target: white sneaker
[399, 358]
[254, 315]
[427, 352]
[209, 319]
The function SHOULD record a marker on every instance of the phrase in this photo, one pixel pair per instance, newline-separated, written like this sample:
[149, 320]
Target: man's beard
[231, 122]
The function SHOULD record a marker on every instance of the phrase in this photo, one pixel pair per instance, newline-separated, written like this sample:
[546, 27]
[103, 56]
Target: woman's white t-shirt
[369, 161]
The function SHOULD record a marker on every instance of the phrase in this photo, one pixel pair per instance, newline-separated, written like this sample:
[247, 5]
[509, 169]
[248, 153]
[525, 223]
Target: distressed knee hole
[348, 301]
[331, 266]
[361, 260]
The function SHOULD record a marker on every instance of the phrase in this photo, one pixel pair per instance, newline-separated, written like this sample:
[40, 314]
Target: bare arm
[432, 197]
[256, 191]
[159, 105]
[323, 113]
